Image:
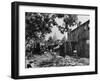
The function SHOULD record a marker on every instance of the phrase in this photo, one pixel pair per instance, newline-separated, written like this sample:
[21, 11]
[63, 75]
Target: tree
[40, 24]
[69, 20]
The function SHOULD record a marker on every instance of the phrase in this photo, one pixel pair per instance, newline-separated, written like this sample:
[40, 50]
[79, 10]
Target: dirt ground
[54, 60]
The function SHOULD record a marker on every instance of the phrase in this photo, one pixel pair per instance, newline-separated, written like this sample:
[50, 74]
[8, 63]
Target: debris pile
[54, 60]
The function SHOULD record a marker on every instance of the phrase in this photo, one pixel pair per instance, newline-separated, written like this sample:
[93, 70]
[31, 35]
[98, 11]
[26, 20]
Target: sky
[59, 21]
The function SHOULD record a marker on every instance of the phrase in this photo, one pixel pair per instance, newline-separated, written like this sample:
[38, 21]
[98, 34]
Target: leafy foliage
[37, 25]
[40, 24]
[69, 20]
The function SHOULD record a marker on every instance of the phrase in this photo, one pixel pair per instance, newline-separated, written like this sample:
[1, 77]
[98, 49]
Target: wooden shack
[79, 39]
